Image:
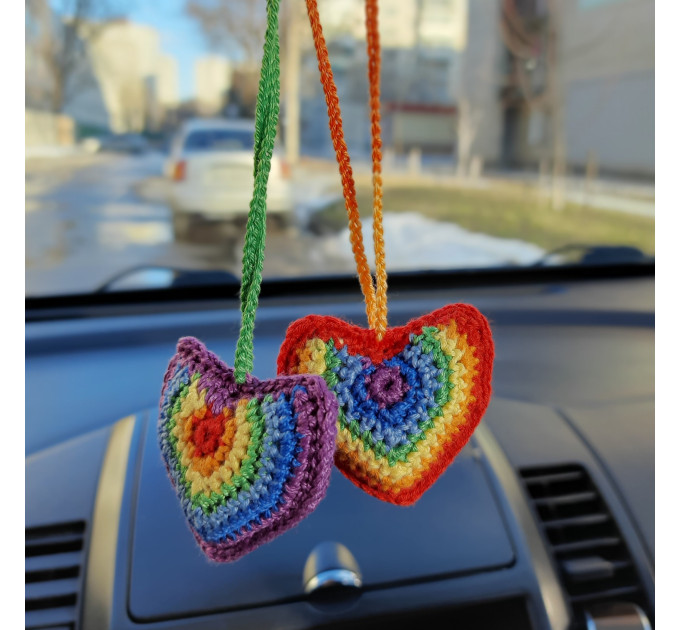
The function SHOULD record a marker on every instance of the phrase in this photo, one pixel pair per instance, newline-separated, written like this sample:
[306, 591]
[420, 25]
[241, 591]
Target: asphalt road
[87, 222]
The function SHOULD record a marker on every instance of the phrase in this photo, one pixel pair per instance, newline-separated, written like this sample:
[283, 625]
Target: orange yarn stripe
[373, 50]
[342, 156]
[376, 300]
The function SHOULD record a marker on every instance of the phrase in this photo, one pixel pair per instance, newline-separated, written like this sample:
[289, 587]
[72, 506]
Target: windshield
[514, 133]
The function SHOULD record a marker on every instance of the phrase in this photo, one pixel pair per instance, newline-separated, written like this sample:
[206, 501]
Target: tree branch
[225, 22]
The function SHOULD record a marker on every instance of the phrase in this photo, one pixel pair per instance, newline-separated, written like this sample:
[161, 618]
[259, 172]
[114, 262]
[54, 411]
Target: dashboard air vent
[54, 557]
[594, 563]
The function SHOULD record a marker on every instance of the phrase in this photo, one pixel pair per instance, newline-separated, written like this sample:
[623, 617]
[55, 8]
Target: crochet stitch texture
[248, 460]
[408, 403]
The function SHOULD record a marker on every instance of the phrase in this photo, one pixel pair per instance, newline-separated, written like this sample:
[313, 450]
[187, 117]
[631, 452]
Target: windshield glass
[515, 133]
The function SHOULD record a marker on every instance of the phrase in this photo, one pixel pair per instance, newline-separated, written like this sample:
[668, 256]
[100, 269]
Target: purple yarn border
[316, 412]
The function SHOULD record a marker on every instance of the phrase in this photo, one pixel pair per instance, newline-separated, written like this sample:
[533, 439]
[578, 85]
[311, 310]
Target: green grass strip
[504, 210]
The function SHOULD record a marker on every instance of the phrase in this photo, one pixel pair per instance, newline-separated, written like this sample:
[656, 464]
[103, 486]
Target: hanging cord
[373, 51]
[266, 120]
[342, 156]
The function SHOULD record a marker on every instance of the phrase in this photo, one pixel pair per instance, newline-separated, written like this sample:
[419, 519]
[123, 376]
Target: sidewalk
[630, 197]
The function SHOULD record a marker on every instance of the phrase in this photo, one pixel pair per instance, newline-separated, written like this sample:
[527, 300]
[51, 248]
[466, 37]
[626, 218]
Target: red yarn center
[207, 433]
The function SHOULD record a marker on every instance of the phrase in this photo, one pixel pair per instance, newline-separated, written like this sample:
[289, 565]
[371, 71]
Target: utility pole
[292, 79]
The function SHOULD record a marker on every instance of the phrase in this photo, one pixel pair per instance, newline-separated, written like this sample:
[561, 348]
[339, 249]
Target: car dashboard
[545, 520]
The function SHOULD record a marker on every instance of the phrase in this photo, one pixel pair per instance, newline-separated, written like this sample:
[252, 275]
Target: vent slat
[49, 618]
[65, 538]
[55, 531]
[54, 546]
[51, 588]
[54, 557]
[555, 477]
[577, 521]
[593, 559]
[56, 601]
[591, 568]
[606, 595]
[41, 563]
[567, 499]
[55, 573]
[587, 545]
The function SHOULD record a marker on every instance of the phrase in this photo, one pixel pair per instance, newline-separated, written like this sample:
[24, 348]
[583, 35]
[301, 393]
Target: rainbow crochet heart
[408, 403]
[248, 461]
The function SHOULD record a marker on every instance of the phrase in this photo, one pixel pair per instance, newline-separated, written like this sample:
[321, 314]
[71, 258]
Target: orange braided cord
[342, 156]
[373, 50]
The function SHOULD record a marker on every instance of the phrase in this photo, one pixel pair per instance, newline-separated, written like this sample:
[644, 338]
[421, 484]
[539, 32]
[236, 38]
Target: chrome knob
[616, 616]
[331, 569]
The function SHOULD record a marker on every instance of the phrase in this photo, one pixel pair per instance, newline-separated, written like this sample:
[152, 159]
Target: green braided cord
[266, 120]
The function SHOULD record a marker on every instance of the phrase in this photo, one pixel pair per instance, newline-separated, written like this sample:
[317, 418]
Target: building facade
[581, 94]
[213, 79]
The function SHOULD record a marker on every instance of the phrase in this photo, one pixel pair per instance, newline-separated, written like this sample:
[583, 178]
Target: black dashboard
[545, 519]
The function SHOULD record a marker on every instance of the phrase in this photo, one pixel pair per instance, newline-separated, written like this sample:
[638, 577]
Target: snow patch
[414, 242]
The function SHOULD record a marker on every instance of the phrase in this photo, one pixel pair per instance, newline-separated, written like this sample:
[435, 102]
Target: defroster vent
[594, 563]
[54, 560]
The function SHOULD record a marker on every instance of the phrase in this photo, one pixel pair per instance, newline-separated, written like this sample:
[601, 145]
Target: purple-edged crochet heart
[248, 460]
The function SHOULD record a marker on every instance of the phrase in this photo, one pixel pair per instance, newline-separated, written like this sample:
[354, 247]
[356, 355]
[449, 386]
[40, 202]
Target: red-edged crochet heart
[407, 403]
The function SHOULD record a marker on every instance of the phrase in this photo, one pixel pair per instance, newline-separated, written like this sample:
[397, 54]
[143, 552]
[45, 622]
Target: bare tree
[55, 40]
[236, 28]
[532, 33]
[233, 26]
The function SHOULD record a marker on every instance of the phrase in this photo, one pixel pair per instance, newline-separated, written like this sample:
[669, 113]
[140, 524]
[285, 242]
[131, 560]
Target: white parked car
[211, 172]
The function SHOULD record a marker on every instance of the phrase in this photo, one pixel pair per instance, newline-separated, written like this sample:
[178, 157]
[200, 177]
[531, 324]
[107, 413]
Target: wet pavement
[89, 218]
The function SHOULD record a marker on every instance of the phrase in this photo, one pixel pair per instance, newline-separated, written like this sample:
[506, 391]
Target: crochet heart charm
[408, 403]
[247, 460]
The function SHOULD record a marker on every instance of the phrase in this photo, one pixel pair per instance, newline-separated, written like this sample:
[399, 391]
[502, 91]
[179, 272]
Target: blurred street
[96, 218]
[91, 217]
[84, 223]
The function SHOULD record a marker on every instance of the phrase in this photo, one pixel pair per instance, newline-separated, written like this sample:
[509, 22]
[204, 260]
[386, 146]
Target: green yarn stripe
[249, 467]
[266, 120]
